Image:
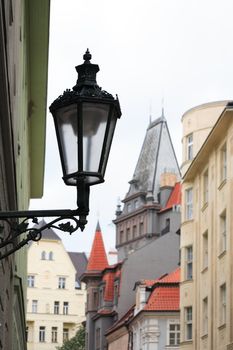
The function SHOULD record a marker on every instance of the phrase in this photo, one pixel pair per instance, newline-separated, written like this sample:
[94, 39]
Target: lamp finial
[87, 56]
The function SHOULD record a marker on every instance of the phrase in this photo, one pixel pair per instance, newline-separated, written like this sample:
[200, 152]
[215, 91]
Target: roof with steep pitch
[156, 153]
[98, 258]
[174, 198]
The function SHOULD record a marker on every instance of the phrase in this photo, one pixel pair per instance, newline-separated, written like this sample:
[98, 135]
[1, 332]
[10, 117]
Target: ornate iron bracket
[10, 242]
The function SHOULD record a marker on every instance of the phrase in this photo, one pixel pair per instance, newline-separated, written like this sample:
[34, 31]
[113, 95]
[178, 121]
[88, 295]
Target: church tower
[155, 178]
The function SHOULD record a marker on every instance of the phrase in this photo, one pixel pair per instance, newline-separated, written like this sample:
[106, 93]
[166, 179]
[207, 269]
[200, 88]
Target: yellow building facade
[55, 296]
[206, 233]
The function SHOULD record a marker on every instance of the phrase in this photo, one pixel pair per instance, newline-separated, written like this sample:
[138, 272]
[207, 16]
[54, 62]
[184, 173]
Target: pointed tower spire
[98, 258]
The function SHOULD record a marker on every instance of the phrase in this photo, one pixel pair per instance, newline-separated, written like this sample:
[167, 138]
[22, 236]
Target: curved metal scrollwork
[11, 242]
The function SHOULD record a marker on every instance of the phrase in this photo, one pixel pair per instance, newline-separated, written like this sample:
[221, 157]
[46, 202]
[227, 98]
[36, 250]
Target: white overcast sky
[179, 51]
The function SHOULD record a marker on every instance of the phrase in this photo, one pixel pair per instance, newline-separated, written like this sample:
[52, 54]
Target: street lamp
[85, 119]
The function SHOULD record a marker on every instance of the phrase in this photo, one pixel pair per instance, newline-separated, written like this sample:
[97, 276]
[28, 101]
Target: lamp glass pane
[109, 141]
[95, 117]
[68, 134]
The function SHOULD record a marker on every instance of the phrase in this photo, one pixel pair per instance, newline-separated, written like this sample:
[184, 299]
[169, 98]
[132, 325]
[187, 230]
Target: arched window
[50, 255]
[43, 255]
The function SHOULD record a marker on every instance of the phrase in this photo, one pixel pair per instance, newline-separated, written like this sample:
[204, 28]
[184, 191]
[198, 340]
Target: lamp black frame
[85, 90]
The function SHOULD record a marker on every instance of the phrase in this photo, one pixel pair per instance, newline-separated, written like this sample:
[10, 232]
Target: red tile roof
[166, 295]
[109, 285]
[174, 198]
[98, 258]
[164, 299]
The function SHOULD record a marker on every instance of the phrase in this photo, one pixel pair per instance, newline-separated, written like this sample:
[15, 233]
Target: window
[43, 255]
[129, 207]
[31, 281]
[95, 299]
[27, 334]
[205, 249]
[223, 304]
[34, 306]
[65, 334]
[188, 323]
[121, 237]
[56, 307]
[97, 339]
[189, 263]
[54, 335]
[223, 161]
[50, 255]
[134, 231]
[136, 204]
[42, 334]
[190, 147]
[141, 228]
[65, 308]
[128, 234]
[205, 315]
[174, 334]
[189, 204]
[61, 283]
[223, 232]
[205, 187]
[116, 290]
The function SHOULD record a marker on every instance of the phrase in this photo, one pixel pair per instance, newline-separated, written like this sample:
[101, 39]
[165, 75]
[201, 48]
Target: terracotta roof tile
[109, 286]
[174, 198]
[164, 299]
[166, 295]
[98, 258]
[173, 277]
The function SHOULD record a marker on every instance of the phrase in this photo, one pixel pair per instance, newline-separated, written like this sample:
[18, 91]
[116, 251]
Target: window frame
[223, 231]
[223, 163]
[223, 308]
[189, 145]
[31, 281]
[54, 333]
[65, 307]
[176, 333]
[42, 334]
[65, 334]
[61, 282]
[56, 307]
[189, 203]
[34, 306]
[206, 187]
[205, 249]
[205, 315]
[188, 323]
[189, 262]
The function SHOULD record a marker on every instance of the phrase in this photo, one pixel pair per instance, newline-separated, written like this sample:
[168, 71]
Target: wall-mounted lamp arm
[9, 243]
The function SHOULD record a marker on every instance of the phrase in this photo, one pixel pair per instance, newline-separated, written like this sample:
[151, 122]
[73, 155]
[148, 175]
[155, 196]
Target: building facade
[55, 295]
[147, 230]
[153, 323]
[24, 32]
[154, 178]
[206, 241]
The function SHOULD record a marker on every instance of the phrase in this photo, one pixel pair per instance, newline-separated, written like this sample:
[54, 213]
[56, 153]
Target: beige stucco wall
[207, 279]
[118, 340]
[199, 122]
[46, 291]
